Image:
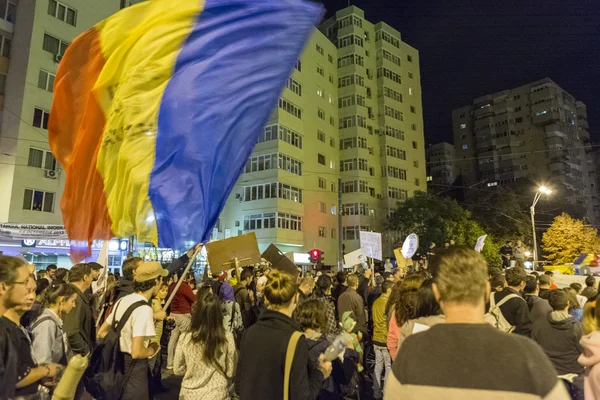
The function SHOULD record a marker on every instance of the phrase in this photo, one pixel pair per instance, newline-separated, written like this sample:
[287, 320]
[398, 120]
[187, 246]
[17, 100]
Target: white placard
[370, 244]
[480, 243]
[419, 328]
[353, 258]
[410, 246]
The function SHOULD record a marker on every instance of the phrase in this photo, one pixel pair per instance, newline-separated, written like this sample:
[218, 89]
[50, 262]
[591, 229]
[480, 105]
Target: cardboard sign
[353, 258]
[403, 263]
[279, 260]
[370, 244]
[221, 253]
[480, 243]
[410, 246]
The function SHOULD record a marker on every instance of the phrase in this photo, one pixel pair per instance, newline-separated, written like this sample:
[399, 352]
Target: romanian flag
[157, 108]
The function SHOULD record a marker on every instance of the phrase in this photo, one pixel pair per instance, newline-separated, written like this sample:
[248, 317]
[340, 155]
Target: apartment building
[440, 165]
[537, 132]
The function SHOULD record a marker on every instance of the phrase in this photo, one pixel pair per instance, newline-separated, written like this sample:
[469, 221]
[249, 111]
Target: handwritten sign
[370, 244]
[480, 243]
[410, 246]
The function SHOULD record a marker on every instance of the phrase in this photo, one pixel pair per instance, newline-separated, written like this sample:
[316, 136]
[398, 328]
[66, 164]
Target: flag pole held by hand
[185, 272]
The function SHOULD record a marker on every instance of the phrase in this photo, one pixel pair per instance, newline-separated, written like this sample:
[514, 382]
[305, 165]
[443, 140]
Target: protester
[515, 310]
[388, 266]
[427, 313]
[544, 283]
[590, 287]
[245, 297]
[350, 300]
[135, 339]
[155, 363]
[375, 293]
[321, 293]
[29, 373]
[60, 276]
[14, 277]
[578, 289]
[364, 279]
[497, 282]
[311, 317]
[590, 358]
[265, 344]
[403, 310]
[506, 252]
[519, 254]
[559, 334]
[36, 309]
[50, 271]
[380, 330]
[341, 279]
[232, 313]
[79, 324]
[181, 311]
[206, 355]
[538, 308]
[465, 358]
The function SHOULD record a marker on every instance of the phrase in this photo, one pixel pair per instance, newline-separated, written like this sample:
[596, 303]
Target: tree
[437, 219]
[567, 238]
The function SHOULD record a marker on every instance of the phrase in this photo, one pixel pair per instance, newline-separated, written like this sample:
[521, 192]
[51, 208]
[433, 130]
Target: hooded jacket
[50, 343]
[590, 358]
[559, 334]
[538, 307]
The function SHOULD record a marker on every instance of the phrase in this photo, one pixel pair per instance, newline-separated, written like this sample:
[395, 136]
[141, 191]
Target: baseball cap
[149, 270]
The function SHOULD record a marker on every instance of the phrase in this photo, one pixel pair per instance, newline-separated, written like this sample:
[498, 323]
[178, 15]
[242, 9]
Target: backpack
[494, 315]
[106, 375]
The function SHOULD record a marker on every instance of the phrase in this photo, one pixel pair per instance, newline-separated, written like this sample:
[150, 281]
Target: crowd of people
[260, 333]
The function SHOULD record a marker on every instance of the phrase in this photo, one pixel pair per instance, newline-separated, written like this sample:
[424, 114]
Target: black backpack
[106, 375]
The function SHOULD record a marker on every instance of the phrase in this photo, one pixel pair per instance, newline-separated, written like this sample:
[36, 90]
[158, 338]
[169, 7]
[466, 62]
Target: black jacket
[260, 369]
[560, 341]
[80, 326]
[543, 294]
[537, 307]
[340, 382]
[363, 288]
[8, 360]
[516, 311]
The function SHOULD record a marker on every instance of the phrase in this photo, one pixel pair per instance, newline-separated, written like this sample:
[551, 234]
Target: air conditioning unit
[58, 57]
[50, 173]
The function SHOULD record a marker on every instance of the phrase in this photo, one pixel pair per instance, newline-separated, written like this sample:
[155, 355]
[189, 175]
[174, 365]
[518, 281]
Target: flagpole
[180, 281]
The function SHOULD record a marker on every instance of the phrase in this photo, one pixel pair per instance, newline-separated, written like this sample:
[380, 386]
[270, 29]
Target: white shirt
[141, 322]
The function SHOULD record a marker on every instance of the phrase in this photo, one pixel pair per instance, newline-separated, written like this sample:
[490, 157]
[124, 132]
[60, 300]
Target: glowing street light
[541, 190]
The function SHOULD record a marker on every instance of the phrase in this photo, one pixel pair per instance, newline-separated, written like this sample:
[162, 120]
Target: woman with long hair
[264, 349]
[402, 309]
[590, 358]
[322, 293]
[427, 313]
[205, 355]
[575, 309]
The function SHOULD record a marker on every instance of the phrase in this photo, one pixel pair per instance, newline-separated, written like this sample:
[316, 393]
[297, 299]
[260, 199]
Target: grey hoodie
[50, 343]
[559, 334]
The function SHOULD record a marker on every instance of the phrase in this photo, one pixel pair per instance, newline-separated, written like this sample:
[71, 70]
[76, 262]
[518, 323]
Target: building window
[333, 210]
[392, 94]
[319, 92]
[321, 207]
[281, 132]
[463, 126]
[290, 107]
[349, 40]
[54, 45]
[414, 144]
[383, 35]
[410, 75]
[289, 164]
[398, 194]
[2, 83]
[259, 221]
[320, 70]
[322, 183]
[393, 152]
[272, 191]
[322, 232]
[321, 159]
[353, 232]
[41, 159]
[463, 136]
[319, 49]
[8, 10]
[294, 86]
[333, 233]
[321, 136]
[331, 121]
[37, 200]
[393, 172]
[331, 164]
[321, 114]
[289, 221]
[395, 133]
[412, 109]
[331, 79]
[410, 91]
[413, 127]
[40, 118]
[46, 80]
[298, 65]
[332, 142]
[519, 119]
[62, 12]
[416, 164]
[409, 58]
[386, 73]
[6, 42]
[417, 182]
[465, 146]
[392, 112]
[330, 58]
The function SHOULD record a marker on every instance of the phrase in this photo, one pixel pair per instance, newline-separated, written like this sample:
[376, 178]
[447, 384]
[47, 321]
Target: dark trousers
[137, 385]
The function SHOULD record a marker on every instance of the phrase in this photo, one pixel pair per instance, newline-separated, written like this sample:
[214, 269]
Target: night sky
[471, 48]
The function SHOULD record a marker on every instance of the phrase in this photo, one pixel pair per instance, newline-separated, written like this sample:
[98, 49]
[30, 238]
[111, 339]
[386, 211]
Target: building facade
[537, 132]
[440, 165]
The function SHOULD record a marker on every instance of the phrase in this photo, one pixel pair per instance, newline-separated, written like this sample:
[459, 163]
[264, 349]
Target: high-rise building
[536, 131]
[354, 103]
[440, 165]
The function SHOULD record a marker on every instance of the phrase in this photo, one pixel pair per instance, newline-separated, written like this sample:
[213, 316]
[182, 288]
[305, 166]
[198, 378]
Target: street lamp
[538, 194]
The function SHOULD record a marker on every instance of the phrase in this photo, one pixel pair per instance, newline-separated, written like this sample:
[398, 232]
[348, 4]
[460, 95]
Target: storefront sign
[28, 231]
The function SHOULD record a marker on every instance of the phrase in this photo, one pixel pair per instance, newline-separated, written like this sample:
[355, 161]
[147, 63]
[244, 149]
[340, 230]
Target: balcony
[555, 130]
[582, 123]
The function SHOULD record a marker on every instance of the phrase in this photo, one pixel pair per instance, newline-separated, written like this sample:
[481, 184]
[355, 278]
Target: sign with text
[410, 246]
[30, 231]
[480, 243]
[370, 244]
